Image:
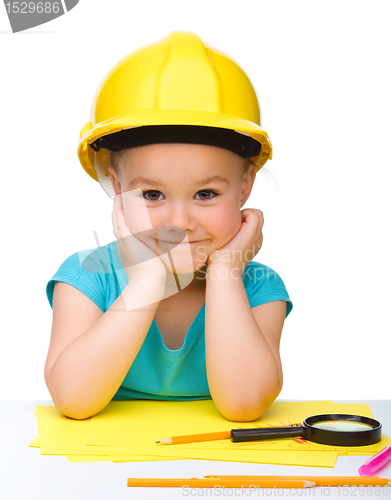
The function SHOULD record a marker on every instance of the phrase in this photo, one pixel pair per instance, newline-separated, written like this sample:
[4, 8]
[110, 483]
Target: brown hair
[115, 158]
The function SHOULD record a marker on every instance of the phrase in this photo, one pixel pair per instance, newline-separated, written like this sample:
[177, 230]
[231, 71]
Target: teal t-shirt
[158, 372]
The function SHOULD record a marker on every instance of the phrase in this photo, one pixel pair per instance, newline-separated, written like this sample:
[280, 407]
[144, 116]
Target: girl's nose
[179, 217]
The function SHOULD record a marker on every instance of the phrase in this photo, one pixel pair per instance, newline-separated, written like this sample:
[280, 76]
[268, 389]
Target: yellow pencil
[318, 480]
[207, 436]
[226, 483]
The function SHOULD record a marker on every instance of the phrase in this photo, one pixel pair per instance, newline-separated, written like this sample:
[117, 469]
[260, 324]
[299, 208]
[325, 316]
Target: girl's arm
[242, 360]
[91, 352]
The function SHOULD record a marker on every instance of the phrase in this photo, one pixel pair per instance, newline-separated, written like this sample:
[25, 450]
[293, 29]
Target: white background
[322, 74]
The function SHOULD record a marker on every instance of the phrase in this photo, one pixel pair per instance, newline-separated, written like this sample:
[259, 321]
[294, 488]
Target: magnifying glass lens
[342, 425]
[342, 430]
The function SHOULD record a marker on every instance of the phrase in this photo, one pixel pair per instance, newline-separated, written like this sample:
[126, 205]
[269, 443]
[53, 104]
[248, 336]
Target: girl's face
[188, 189]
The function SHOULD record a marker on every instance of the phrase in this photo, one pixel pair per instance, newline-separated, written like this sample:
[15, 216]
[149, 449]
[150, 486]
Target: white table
[25, 474]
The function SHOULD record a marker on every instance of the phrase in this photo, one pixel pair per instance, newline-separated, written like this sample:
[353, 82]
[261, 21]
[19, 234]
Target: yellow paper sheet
[115, 458]
[87, 458]
[58, 431]
[127, 431]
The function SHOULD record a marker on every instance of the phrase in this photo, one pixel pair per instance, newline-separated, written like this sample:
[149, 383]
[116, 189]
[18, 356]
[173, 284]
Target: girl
[175, 308]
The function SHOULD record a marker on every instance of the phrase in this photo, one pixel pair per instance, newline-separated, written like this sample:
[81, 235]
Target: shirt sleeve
[78, 271]
[263, 285]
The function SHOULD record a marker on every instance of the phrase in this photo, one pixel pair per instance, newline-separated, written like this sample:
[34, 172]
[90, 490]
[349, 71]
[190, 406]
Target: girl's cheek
[227, 223]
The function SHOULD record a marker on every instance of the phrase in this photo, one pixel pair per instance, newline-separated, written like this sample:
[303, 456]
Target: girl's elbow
[74, 412]
[72, 407]
[248, 410]
[241, 415]
[75, 415]
[71, 410]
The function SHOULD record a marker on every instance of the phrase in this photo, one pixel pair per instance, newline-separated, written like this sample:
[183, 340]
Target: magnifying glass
[335, 429]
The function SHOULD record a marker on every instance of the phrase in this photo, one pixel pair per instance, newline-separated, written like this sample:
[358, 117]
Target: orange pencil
[226, 483]
[208, 436]
[196, 438]
[318, 480]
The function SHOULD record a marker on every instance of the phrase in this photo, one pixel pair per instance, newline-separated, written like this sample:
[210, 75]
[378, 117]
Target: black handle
[259, 434]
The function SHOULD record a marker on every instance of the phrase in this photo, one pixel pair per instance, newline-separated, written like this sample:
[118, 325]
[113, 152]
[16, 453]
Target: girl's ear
[247, 184]
[115, 180]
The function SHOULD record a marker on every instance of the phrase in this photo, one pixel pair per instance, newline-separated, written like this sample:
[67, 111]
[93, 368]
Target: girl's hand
[245, 244]
[136, 257]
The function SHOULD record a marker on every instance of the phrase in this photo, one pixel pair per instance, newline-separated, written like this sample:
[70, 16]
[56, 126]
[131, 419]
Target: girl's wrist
[143, 290]
[224, 269]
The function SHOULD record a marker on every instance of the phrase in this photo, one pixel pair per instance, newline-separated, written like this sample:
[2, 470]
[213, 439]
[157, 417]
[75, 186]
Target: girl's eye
[207, 191]
[155, 193]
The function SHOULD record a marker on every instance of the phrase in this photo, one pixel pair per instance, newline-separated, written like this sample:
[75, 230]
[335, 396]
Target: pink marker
[376, 462]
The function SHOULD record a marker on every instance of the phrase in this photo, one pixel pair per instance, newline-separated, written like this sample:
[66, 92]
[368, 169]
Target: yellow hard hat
[177, 81]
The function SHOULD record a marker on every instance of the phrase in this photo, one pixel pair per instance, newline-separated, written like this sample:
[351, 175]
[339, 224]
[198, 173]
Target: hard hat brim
[170, 117]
